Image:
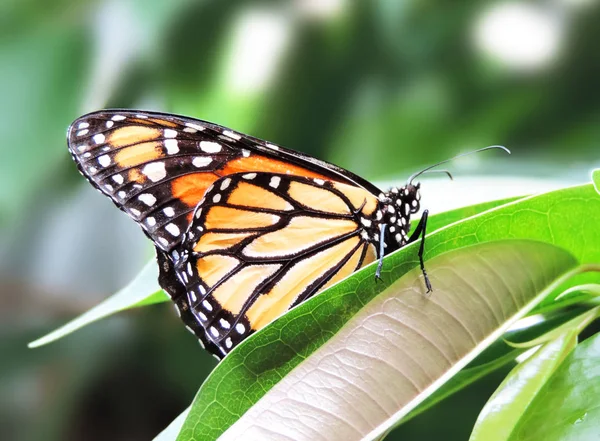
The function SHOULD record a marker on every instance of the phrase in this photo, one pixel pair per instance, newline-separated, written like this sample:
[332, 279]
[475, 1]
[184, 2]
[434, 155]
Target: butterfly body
[244, 230]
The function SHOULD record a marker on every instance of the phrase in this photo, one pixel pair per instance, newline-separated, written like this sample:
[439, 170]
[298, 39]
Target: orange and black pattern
[244, 229]
[261, 243]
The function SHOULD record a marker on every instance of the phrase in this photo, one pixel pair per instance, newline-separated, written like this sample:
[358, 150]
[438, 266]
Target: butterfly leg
[381, 251]
[420, 232]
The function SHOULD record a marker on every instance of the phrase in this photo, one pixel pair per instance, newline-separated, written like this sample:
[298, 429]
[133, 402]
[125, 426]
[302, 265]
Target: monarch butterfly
[243, 229]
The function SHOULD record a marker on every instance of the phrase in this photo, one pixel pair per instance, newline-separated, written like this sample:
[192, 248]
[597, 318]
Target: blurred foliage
[380, 87]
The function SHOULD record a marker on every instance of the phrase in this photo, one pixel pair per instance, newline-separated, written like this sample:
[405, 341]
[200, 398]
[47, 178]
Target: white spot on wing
[172, 146]
[201, 161]
[155, 171]
[224, 324]
[104, 160]
[272, 146]
[169, 212]
[240, 328]
[216, 198]
[210, 146]
[147, 199]
[207, 305]
[225, 183]
[274, 182]
[83, 125]
[118, 118]
[83, 132]
[194, 126]
[173, 229]
[249, 176]
[319, 181]
[150, 221]
[170, 133]
[118, 179]
[228, 343]
[99, 138]
[232, 135]
[109, 124]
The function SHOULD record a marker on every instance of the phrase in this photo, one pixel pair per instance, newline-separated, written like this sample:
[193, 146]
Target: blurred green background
[381, 87]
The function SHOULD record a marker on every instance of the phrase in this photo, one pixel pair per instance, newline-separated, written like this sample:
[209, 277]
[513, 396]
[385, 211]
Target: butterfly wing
[261, 243]
[157, 167]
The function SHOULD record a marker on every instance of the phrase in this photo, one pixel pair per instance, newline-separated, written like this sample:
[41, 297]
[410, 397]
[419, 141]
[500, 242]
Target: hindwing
[260, 243]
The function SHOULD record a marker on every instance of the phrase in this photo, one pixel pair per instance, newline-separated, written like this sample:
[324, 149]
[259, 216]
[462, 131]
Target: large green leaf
[596, 179]
[360, 358]
[550, 217]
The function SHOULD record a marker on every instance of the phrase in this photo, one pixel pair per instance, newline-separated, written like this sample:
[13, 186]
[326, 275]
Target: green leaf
[559, 330]
[596, 179]
[551, 217]
[503, 413]
[134, 294]
[566, 408]
[390, 348]
[440, 220]
[575, 295]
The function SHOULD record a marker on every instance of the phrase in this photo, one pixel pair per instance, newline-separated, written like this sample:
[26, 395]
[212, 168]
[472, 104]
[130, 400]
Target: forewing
[157, 167]
[261, 243]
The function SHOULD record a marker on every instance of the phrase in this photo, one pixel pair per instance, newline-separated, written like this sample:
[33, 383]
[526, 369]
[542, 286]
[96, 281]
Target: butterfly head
[410, 197]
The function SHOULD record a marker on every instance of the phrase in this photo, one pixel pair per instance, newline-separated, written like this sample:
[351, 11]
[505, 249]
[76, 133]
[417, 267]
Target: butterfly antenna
[440, 171]
[426, 170]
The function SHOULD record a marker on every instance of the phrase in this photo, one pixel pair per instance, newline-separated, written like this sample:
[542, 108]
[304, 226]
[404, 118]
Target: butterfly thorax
[396, 207]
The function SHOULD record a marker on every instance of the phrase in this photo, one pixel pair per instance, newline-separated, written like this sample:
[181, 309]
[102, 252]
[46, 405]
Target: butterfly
[243, 229]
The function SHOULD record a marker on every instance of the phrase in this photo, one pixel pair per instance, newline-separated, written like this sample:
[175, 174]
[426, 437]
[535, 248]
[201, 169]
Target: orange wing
[261, 243]
[157, 167]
